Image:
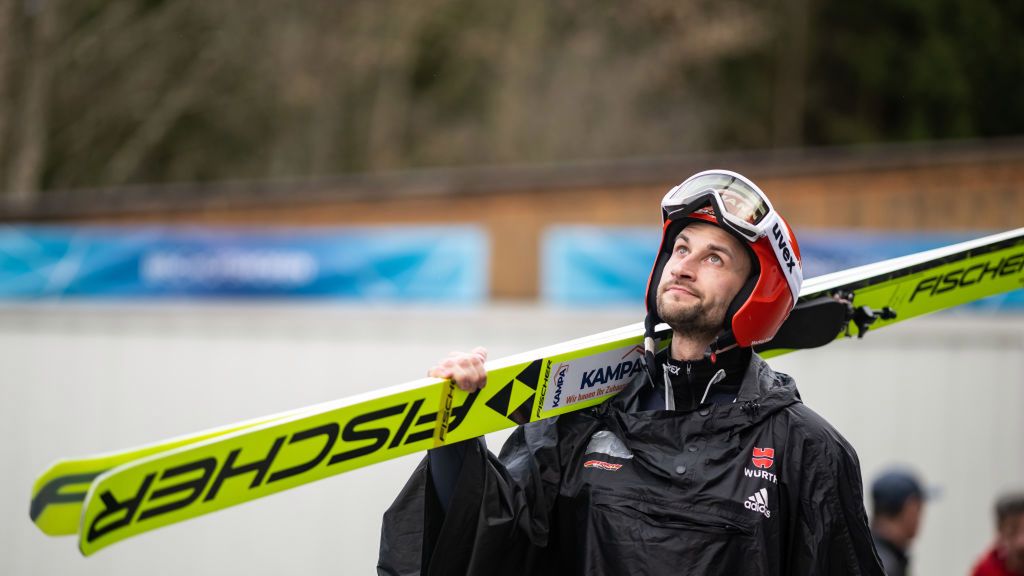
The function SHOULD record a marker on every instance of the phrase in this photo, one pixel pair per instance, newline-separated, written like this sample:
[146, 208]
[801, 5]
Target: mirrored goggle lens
[738, 199]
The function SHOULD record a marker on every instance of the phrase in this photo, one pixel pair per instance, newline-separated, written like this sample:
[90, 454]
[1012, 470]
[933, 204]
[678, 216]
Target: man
[707, 463]
[1006, 557]
[897, 504]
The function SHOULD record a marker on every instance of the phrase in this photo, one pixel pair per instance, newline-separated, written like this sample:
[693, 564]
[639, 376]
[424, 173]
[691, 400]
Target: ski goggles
[735, 201]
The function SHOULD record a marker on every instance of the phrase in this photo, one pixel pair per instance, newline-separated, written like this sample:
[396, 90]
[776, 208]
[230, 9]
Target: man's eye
[715, 259]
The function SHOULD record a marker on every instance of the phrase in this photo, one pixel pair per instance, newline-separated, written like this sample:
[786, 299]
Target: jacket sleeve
[497, 520]
[830, 532]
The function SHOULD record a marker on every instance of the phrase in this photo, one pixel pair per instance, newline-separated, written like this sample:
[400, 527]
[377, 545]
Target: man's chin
[680, 315]
[691, 319]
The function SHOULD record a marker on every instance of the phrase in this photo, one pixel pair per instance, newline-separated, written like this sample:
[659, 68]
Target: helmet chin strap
[724, 342]
[649, 348]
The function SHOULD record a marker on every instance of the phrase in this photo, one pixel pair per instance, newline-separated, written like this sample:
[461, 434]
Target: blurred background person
[897, 507]
[1006, 556]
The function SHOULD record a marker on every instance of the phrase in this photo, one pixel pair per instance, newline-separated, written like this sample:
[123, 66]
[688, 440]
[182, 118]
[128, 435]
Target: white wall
[943, 394]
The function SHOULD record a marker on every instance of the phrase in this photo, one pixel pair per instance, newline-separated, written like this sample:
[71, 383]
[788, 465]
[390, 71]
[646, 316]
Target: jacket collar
[762, 393]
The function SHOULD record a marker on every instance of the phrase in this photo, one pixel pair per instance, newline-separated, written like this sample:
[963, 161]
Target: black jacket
[762, 485]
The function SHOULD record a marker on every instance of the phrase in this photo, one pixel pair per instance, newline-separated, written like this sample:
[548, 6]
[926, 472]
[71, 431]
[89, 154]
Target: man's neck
[892, 532]
[688, 348]
[1011, 563]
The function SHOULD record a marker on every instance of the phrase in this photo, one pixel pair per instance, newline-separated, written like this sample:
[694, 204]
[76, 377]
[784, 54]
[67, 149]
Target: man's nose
[684, 267]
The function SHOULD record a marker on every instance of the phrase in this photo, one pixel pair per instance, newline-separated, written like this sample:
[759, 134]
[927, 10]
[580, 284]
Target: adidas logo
[758, 503]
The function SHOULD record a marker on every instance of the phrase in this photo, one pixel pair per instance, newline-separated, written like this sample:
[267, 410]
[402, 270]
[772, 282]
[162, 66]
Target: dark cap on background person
[892, 488]
[1009, 504]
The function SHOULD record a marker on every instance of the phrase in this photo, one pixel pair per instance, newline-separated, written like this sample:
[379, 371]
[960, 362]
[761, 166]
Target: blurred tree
[7, 44]
[917, 69]
[32, 111]
[541, 81]
[185, 90]
[96, 93]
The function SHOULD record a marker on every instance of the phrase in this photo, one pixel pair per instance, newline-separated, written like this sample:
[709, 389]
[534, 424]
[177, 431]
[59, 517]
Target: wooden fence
[955, 186]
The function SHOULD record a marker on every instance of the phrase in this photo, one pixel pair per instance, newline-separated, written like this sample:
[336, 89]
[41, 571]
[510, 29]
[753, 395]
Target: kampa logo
[783, 248]
[758, 503]
[559, 381]
[614, 373]
[763, 457]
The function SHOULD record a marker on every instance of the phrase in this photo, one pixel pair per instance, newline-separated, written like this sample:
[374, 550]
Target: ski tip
[82, 549]
[57, 496]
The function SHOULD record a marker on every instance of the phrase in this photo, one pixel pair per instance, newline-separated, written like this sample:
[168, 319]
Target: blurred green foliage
[100, 92]
[917, 70]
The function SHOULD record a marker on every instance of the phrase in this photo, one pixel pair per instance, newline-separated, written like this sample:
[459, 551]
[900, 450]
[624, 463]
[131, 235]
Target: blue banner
[405, 264]
[587, 265]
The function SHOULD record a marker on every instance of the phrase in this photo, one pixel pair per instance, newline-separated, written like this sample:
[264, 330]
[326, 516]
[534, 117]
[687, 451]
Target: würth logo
[601, 465]
[763, 457]
[758, 503]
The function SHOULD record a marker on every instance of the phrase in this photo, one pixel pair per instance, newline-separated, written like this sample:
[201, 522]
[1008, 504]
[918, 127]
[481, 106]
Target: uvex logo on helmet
[780, 241]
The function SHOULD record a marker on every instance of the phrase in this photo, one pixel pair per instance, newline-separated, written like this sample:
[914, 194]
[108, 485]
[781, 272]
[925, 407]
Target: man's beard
[695, 321]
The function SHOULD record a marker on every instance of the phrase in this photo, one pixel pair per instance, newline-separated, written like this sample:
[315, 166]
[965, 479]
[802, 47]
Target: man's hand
[465, 369]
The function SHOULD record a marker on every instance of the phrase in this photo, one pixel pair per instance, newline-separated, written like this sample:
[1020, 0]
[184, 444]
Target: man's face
[1011, 542]
[910, 516]
[707, 268]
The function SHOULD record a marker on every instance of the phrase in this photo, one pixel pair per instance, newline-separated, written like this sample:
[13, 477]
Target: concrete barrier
[943, 394]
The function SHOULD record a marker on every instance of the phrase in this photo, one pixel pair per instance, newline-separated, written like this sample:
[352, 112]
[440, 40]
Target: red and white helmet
[738, 206]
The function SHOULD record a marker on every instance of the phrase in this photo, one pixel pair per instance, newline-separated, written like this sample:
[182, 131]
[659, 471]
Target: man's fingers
[465, 369]
[439, 372]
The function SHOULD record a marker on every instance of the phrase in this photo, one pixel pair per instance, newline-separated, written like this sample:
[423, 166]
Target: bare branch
[27, 164]
[127, 159]
[6, 15]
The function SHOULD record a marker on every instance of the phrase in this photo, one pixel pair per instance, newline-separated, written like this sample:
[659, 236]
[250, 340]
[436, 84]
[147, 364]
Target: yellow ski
[136, 491]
